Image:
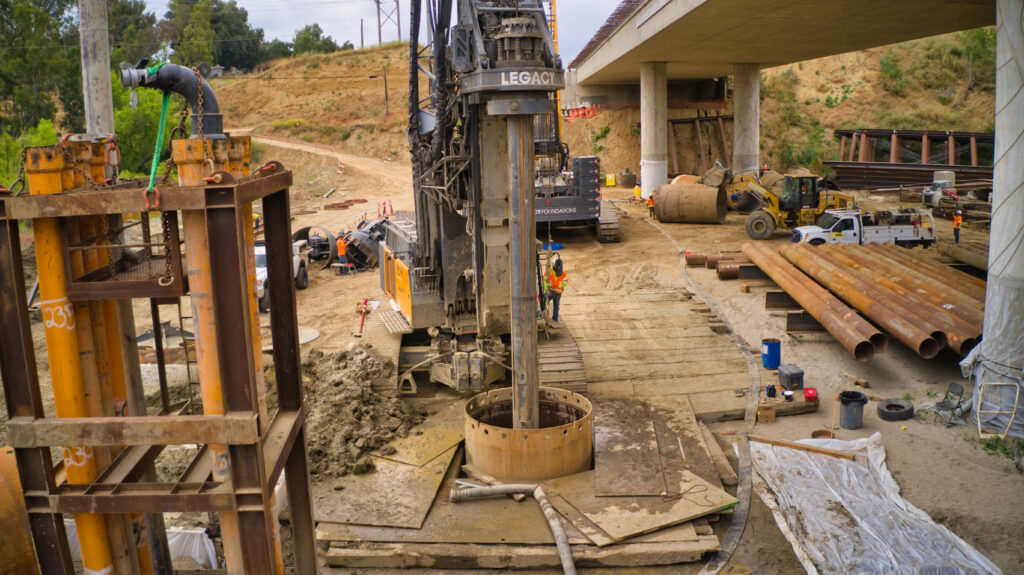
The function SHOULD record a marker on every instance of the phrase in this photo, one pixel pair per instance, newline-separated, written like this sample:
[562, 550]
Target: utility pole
[362, 43]
[99, 122]
[99, 106]
[379, 37]
[387, 111]
[398, 22]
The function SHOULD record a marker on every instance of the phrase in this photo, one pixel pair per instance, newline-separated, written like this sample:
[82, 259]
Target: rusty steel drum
[563, 445]
[690, 203]
[16, 553]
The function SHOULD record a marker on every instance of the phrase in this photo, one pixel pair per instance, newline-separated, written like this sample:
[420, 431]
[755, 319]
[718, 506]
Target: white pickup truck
[299, 268]
[907, 227]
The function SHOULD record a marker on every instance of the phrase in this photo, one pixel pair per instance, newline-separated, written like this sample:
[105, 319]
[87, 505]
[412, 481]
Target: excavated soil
[349, 417]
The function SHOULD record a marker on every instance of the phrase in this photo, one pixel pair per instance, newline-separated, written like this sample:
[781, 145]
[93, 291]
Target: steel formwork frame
[256, 459]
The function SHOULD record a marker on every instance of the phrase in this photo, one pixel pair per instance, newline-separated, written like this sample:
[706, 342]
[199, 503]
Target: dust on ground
[349, 416]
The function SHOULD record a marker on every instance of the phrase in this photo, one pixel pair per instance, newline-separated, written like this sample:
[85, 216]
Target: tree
[196, 45]
[275, 49]
[133, 32]
[44, 134]
[240, 43]
[32, 60]
[312, 39]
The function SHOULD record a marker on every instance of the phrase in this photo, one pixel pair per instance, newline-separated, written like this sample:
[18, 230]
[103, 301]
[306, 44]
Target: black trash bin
[852, 414]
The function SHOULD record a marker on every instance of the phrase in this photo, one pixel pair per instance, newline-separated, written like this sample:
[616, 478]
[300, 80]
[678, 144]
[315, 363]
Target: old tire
[302, 280]
[895, 409]
[760, 225]
[816, 242]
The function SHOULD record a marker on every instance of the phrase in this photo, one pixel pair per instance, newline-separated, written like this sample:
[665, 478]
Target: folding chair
[1012, 414]
[952, 401]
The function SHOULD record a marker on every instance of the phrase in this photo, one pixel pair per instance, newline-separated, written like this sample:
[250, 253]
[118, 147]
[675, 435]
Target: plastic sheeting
[995, 398]
[845, 516]
[183, 542]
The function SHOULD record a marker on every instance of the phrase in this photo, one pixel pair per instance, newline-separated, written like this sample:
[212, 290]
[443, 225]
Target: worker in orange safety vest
[556, 282]
[958, 219]
[650, 205]
[342, 246]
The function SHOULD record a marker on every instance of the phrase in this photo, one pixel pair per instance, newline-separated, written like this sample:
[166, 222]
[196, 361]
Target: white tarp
[182, 541]
[846, 517]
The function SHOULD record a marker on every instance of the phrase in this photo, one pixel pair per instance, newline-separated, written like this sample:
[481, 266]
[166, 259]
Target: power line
[125, 44]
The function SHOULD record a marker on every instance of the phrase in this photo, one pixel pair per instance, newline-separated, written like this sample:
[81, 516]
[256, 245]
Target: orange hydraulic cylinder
[44, 169]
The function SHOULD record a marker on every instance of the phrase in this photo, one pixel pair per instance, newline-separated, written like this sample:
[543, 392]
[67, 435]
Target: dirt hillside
[327, 99]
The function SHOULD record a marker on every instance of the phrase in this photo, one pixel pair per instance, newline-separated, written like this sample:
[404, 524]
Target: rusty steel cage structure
[256, 454]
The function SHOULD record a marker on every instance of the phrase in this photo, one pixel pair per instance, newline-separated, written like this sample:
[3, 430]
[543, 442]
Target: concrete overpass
[653, 41]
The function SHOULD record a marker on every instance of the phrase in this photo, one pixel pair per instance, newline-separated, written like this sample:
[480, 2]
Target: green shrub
[601, 133]
[892, 75]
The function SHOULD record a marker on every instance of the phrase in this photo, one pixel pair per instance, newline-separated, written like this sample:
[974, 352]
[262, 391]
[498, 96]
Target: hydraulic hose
[561, 541]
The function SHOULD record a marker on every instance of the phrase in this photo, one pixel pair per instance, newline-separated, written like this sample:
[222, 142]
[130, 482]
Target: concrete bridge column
[1001, 357]
[746, 112]
[653, 127]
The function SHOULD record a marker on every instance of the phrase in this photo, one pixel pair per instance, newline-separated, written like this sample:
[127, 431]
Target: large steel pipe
[961, 335]
[955, 302]
[924, 280]
[924, 338]
[711, 260]
[953, 278]
[971, 258]
[814, 299]
[525, 379]
[562, 443]
[863, 326]
[690, 204]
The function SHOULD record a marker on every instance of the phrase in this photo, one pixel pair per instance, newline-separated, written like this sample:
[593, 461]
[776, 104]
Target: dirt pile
[349, 417]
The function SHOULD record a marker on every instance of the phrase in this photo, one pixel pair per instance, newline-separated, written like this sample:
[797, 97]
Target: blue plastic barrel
[771, 353]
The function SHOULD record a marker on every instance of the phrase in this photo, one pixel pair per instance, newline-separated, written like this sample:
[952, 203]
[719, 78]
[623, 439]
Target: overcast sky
[577, 19]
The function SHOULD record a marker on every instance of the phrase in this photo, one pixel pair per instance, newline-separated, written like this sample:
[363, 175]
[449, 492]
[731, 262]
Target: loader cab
[799, 192]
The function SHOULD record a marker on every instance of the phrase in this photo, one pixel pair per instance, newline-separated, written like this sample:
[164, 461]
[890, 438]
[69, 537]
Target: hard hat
[959, 212]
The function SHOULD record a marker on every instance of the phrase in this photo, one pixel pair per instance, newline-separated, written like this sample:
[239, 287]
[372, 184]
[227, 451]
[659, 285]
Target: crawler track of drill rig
[608, 224]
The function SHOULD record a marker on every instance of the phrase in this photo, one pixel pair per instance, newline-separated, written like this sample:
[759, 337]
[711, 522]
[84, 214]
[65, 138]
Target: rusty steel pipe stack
[887, 310]
[952, 278]
[956, 302]
[711, 260]
[961, 335]
[858, 336]
[921, 282]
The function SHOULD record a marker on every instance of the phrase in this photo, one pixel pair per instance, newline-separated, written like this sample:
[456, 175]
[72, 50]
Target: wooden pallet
[560, 361]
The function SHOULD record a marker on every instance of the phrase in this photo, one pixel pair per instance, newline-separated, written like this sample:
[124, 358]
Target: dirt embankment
[336, 99]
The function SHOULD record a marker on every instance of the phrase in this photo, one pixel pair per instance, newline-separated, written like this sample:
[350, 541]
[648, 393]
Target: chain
[105, 231]
[199, 118]
[70, 158]
[147, 233]
[166, 223]
[21, 174]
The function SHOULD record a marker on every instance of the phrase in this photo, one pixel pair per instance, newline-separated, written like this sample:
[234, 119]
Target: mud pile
[349, 414]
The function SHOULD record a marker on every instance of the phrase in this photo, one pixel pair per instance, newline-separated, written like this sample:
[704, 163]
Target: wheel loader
[804, 197]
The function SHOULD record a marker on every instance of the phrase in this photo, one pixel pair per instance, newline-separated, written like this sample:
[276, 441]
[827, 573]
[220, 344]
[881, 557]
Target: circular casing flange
[563, 445]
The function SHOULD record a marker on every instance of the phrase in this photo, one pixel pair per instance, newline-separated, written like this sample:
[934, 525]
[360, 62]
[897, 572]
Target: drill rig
[463, 274]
